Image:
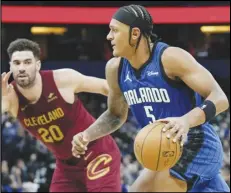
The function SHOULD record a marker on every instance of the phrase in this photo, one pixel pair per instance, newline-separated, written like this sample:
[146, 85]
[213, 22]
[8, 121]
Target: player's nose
[21, 70]
[109, 36]
[21, 67]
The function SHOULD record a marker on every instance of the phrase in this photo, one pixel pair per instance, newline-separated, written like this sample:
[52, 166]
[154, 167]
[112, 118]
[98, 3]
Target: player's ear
[38, 65]
[135, 33]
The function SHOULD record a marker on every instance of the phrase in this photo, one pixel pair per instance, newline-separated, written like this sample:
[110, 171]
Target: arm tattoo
[107, 123]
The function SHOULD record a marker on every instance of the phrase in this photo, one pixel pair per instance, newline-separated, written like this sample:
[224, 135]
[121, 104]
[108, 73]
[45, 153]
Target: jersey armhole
[57, 89]
[174, 83]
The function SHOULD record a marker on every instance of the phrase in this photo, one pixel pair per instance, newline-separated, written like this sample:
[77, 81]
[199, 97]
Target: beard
[25, 82]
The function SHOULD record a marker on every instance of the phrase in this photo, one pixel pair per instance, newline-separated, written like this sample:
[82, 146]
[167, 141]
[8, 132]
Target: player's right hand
[6, 87]
[79, 145]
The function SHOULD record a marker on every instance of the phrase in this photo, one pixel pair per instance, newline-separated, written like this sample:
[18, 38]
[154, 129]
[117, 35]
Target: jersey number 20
[148, 111]
[52, 134]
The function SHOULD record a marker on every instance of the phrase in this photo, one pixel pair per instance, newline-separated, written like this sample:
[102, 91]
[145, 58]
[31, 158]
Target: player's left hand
[178, 125]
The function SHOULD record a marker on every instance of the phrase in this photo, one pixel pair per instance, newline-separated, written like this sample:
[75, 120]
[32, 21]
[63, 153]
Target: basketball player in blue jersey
[158, 82]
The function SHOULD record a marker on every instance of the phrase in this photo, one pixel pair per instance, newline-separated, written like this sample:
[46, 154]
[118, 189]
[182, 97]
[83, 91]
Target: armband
[209, 109]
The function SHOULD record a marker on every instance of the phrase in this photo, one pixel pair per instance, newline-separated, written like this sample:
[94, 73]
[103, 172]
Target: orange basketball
[154, 150]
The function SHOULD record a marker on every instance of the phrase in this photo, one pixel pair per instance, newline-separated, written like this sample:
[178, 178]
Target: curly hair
[24, 45]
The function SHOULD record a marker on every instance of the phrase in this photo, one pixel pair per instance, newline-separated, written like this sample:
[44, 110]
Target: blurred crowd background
[27, 166]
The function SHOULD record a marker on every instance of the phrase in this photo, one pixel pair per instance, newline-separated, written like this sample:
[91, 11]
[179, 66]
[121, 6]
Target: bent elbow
[124, 117]
[120, 117]
[225, 101]
[105, 88]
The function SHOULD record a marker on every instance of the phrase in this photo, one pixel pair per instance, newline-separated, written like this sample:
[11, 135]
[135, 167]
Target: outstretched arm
[81, 83]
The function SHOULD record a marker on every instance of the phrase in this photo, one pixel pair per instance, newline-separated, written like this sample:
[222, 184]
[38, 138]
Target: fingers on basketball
[154, 150]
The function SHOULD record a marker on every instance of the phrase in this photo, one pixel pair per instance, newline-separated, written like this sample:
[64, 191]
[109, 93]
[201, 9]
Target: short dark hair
[23, 44]
[142, 13]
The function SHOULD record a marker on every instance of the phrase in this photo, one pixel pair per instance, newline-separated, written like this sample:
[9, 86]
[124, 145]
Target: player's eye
[27, 62]
[16, 63]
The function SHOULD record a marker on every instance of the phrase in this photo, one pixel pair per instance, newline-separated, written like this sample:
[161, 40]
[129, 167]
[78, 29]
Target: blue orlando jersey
[152, 95]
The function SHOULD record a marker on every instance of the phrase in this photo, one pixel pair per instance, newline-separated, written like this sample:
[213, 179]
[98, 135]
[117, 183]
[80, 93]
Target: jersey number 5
[51, 135]
[148, 111]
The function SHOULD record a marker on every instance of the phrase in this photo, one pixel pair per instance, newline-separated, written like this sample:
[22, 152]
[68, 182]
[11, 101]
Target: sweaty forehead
[22, 55]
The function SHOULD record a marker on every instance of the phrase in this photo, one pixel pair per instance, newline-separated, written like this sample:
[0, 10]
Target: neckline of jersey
[147, 62]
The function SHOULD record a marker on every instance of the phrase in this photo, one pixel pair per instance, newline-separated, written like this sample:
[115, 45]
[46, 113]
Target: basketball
[154, 150]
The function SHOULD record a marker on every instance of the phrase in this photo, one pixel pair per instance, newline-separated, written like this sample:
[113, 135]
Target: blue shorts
[216, 184]
[201, 161]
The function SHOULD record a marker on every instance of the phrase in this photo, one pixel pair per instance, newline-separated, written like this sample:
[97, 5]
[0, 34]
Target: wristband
[209, 109]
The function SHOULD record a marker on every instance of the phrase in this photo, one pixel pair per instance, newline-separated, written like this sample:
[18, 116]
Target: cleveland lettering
[44, 118]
